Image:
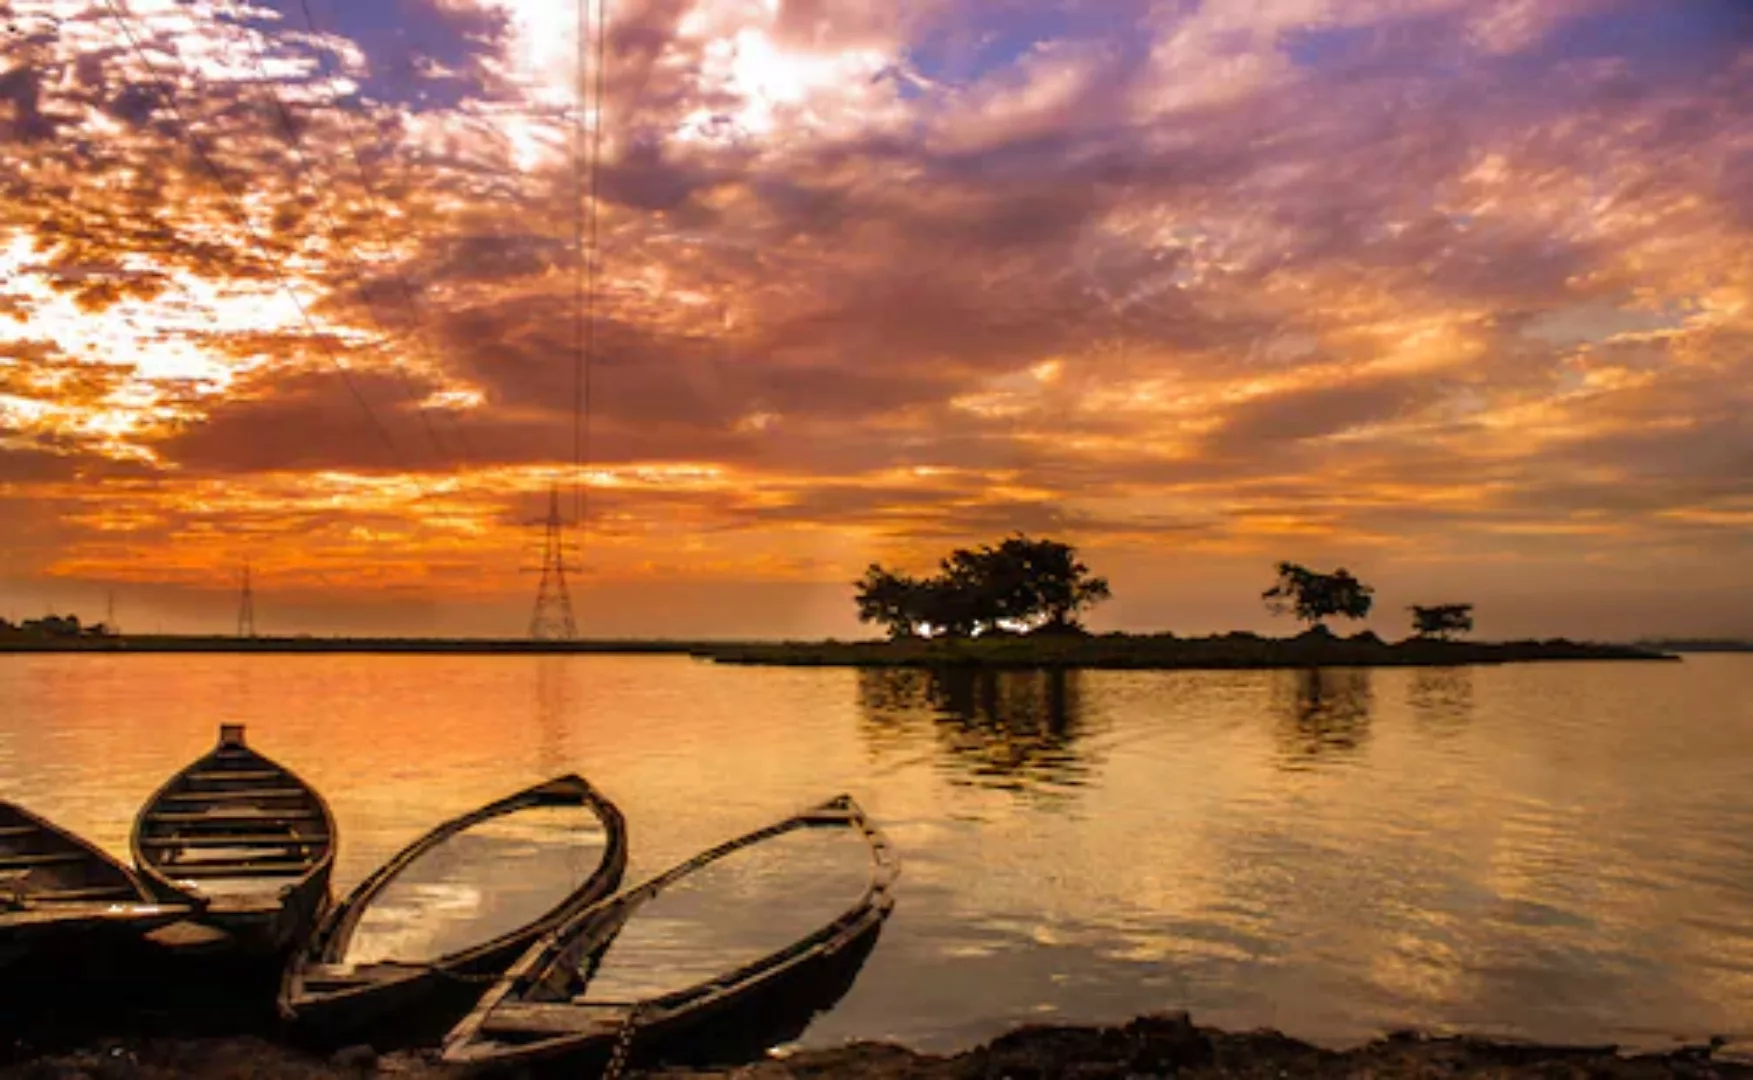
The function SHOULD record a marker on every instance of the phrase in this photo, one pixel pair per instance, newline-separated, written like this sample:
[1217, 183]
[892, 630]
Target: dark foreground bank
[1166, 651]
[1155, 1046]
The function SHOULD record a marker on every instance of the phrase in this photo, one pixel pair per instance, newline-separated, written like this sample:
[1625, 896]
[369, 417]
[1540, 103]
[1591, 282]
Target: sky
[1455, 294]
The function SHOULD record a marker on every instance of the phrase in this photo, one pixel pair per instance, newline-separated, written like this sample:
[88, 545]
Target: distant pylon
[552, 619]
[109, 614]
[246, 608]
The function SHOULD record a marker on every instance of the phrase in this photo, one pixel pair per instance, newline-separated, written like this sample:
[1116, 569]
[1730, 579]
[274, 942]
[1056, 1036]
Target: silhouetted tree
[1019, 584]
[893, 601]
[1057, 586]
[1312, 596]
[950, 608]
[1441, 620]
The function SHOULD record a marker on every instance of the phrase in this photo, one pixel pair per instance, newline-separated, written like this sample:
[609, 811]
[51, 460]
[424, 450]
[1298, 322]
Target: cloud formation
[1422, 286]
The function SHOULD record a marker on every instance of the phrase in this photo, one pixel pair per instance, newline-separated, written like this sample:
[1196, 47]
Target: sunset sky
[1457, 294]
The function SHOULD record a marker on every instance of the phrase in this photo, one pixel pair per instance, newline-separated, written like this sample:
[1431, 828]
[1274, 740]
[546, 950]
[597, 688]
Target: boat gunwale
[32, 916]
[73, 840]
[158, 878]
[591, 931]
[335, 930]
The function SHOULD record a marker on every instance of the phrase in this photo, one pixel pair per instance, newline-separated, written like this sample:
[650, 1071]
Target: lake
[1558, 852]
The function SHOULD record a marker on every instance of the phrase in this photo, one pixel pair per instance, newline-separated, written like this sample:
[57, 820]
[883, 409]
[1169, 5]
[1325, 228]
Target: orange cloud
[1434, 283]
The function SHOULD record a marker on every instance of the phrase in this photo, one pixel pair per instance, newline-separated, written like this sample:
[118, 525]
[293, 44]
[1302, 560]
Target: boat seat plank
[213, 840]
[237, 794]
[53, 858]
[537, 1019]
[194, 871]
[18, 830]
[96, 892]
[264, 858]
[237, 774]
[265, 818]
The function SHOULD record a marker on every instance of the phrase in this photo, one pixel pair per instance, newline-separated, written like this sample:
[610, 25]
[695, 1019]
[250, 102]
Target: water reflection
[1441, 698]
[1016, 730]
[488, 880]
[1324, 713]
[1573, 864]
[555, 702]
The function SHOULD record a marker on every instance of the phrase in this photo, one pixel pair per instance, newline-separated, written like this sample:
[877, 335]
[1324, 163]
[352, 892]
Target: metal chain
[623, 1046]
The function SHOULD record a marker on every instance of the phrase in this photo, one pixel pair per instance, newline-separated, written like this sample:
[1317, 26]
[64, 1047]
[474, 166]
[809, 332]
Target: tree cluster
[1441, 620]
[54, 626]
[1312, 596]
[1019, 585]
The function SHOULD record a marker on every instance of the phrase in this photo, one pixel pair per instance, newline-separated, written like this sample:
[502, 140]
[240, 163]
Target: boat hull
[394, 1005]
[269, 828]
[414, 1006]
[729, 1029]
[66, 907]
[541, 1018]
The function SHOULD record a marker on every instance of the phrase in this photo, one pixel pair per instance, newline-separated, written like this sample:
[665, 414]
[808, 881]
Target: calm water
[491, 879]
[1556, 852]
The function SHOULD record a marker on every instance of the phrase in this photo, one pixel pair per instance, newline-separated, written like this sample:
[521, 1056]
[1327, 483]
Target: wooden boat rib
[60, 893]
[334, 1001]
[538, 1015]
[245, 839]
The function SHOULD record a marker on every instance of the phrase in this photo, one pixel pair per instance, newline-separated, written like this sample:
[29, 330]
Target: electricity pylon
[552, 619]
[246, 608]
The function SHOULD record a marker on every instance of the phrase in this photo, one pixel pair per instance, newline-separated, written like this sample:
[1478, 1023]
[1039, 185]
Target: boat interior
[234, 823]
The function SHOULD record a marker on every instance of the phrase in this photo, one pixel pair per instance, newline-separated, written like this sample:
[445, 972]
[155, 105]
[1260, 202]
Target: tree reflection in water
[1441, 698]
[1022, 731]
[1324, 714]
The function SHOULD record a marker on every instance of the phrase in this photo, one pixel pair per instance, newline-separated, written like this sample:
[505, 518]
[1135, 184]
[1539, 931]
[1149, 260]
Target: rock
[362, 1058]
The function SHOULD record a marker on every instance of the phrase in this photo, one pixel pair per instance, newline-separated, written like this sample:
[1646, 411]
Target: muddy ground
[1155, 1046]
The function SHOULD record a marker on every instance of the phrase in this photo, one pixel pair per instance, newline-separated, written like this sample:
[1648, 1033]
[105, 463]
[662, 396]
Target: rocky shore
[1152, 1046]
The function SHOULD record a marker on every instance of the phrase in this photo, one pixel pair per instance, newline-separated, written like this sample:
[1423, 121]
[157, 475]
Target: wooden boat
[407, 997]
[244, 839]
[573, 1003]
[62, 898]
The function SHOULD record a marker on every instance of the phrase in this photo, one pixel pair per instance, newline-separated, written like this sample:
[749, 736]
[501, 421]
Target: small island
[1016, 604]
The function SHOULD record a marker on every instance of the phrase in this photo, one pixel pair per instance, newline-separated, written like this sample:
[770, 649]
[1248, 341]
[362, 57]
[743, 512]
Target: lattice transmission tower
[246, 607]
[552, 619]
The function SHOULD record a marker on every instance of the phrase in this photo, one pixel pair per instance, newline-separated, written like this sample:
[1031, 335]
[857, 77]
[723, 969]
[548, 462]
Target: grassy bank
[1167, 1045]
[1165, 651]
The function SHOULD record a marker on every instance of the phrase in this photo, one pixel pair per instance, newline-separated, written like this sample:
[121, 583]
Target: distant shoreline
[179, 643]
[1695, 645]
[1167, 652]
[1111, 651]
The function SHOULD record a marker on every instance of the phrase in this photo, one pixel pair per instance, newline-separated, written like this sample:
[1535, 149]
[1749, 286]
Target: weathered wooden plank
[236, 795]
[277, 816]
[97, 892]
[198, 871]
[221, 840]
[556, 1019]
[18, 830]
[236, 774]
[52, 858]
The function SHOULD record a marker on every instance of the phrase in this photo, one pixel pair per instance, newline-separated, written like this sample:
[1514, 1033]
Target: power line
[596, 156]
[235, 208]
[302, 171]
[581, 274]
[409, 297]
